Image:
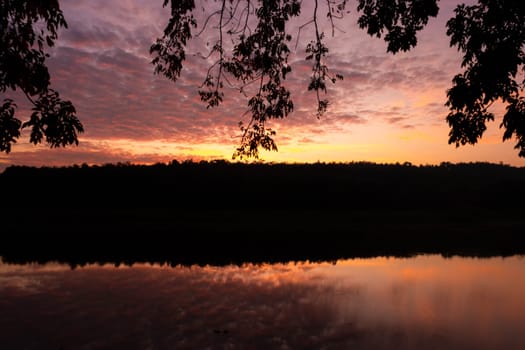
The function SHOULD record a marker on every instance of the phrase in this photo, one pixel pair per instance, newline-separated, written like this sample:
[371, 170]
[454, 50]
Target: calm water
[426, 302]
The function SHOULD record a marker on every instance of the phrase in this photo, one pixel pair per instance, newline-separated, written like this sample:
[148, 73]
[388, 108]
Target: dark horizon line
[174, 162]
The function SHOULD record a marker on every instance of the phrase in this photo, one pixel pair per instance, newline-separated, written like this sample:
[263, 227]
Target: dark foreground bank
[221, 213]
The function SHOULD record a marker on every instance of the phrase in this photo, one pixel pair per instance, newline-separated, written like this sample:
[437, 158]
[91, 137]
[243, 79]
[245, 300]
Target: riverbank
[223, 237]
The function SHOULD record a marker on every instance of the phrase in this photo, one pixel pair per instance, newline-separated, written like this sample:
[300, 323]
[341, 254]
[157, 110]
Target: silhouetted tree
[251, 53]
[491, 35]
[26, 28]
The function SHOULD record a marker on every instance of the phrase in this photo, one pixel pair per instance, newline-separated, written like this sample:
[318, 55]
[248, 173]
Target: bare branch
[218, 12]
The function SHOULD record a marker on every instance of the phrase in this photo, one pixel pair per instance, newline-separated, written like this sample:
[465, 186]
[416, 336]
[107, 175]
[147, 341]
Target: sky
[388, 109]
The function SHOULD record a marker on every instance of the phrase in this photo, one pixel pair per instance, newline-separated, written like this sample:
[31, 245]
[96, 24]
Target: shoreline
[175, 236]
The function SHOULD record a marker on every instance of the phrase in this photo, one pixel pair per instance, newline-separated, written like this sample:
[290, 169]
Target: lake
[421, 302]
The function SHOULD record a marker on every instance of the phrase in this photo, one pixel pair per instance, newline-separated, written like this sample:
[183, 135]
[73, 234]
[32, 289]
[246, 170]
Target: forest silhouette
[220, 212]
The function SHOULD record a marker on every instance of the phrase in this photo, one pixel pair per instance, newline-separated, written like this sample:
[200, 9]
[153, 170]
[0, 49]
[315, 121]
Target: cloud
[395, 120]
[96, 38]
[102, 64]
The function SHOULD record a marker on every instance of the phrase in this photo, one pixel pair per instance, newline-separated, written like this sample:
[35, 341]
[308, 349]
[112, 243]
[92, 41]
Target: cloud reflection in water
[425, 302]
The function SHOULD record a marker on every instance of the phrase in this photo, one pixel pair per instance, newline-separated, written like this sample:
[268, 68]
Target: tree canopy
[26, 29]
[251, 51]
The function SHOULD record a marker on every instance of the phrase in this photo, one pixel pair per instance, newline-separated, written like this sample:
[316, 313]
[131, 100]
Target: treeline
[221, 184]
[220, 212]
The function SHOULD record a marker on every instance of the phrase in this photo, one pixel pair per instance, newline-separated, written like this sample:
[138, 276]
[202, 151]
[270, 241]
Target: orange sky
[389, 108]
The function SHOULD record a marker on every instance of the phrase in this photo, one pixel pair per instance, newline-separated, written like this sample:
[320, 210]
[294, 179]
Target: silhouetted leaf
[55, 119]
[400, 19]
[9, 125]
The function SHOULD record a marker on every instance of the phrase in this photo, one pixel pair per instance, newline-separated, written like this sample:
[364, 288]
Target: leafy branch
[28, 28]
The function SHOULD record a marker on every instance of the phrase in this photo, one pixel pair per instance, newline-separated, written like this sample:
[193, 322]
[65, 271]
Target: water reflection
[425, 302]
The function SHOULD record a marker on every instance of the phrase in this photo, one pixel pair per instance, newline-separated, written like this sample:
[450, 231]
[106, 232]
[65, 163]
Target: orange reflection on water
[425, 302]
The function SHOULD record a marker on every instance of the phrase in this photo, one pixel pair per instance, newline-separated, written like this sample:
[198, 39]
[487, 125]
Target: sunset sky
[389, 108]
